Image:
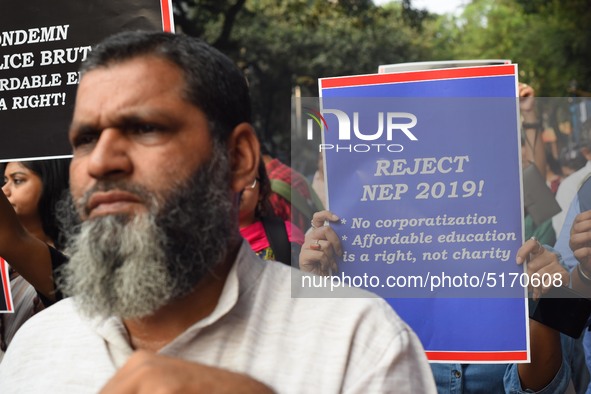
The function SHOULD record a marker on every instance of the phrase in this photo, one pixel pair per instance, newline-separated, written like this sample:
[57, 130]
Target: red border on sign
[167, 16]
[5, 284]
[417, 76]
[477, 356]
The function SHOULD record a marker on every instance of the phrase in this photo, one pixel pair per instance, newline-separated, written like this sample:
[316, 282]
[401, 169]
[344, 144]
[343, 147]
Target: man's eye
[145, 128]
[84, 139]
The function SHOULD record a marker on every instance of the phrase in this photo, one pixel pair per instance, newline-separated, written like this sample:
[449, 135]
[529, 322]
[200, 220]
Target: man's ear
[244, 150]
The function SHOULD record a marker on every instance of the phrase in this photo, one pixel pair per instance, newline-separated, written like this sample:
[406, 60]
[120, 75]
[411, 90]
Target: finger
[582, 254]
[544, 278]
[525, 90]
[325, 215]
[318, 257]
[319, 218]
[538, 249]
[333, 239]
[325, 233]
[578, 241]
[548, 277]
[329, 261]
[530, 246]
[324, 265]
[327, 249]
[310, 260]
[334, 266]
[324, 247]
[314, 263]
[315, 245]
[537, 262]
[581, 224]
[583, 216]
[579, 237]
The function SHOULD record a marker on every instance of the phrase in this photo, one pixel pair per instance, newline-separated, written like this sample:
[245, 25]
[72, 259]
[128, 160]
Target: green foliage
[549, 39]
[283, 44]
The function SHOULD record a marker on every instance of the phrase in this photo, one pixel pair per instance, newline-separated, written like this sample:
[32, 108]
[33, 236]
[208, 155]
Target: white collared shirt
[294, 345]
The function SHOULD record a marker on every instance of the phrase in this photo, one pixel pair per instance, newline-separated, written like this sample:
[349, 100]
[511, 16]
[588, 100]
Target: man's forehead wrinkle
[139, 73]
[82, 128]
[121, 108]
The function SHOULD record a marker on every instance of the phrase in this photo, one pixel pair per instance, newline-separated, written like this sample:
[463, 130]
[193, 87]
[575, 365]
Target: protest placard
[423, 168]
[6, 305]
[438, 64]
[41, 46]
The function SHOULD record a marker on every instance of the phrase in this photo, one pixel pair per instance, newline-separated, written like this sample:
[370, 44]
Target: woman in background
[274, 239]
[269, 236]
[31, 190]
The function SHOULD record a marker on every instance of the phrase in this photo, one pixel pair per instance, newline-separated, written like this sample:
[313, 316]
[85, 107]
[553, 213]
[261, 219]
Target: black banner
[41, 46]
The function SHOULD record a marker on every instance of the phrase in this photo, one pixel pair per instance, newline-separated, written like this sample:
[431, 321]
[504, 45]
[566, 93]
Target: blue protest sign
[423, 168]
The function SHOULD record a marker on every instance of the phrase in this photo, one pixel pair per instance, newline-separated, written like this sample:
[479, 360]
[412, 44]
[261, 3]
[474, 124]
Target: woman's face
[23, 189]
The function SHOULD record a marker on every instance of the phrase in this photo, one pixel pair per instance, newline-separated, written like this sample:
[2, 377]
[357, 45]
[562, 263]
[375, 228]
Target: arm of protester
[25, 253]
[562, 245]
[146, 373]
[580, 244]
[546, 358]
[534, 152]
[546, 352]
[321, 246]
[518, 381]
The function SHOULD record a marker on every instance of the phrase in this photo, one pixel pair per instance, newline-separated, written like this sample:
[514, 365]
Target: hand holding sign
[321, 246]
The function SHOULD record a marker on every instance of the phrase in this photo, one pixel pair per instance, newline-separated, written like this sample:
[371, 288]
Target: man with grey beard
[108, 271]
[165, 295]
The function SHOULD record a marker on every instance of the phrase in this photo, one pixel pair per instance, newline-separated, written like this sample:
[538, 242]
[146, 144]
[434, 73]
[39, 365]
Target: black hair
[214, 83]
[264, 207]
[54, 175]
[553, 162]
[572, 157]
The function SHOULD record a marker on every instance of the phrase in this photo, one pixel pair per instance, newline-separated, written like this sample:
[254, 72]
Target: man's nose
[110, 157]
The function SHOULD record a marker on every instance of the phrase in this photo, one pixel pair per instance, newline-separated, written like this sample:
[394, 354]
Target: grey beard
[130, 267]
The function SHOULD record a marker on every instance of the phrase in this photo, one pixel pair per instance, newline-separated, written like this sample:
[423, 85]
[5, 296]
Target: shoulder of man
[380, 349]
[48, 331]
[354, 310]
[46, 349]
[56, 351]
[47, 326]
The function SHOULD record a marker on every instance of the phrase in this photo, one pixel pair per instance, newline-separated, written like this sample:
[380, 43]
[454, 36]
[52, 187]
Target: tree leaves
[281, 44]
